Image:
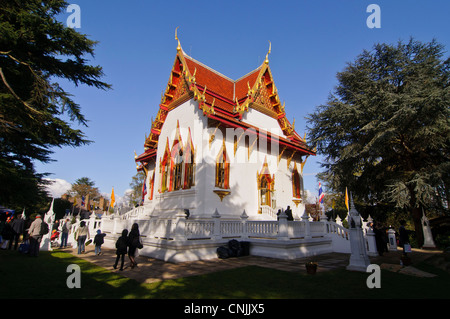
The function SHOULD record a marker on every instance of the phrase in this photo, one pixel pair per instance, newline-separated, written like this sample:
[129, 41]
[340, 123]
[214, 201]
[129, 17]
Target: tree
[385, 130]
[36, 51]
[84, 187]
[137, 182]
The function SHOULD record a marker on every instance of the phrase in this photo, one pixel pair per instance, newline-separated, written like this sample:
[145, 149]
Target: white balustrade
[180, 228]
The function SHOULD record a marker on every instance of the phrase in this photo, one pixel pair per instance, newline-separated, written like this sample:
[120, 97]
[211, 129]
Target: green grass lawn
[45, 277]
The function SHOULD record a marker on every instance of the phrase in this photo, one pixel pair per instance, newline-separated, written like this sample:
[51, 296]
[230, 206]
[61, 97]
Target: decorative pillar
[305, 219]
[427, 234]
[180, 227]
[358, 258]
[244, 218]
[216, 230]
[392, 240]
[49, 218]
[282, 226]
[371, 242]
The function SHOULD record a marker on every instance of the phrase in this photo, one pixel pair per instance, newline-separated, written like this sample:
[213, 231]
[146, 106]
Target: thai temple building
[224, 144]
[222, 162]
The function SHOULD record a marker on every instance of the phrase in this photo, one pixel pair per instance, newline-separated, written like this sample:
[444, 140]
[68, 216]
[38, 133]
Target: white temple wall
[263, 121]
[187, 115]
[244, 195]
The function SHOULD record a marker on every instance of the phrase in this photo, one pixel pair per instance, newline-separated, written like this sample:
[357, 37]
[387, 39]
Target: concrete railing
[185, 229]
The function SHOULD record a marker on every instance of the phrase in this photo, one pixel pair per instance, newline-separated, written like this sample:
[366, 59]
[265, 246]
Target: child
[98, 241]
[121, 248]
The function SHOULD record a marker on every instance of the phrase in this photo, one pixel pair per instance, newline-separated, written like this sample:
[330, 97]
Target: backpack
[44, 228]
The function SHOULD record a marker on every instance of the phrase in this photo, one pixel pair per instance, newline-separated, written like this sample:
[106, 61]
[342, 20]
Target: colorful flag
[321, 194]
[82, 201]
[113, 199]
[144, 192]
[346, 198]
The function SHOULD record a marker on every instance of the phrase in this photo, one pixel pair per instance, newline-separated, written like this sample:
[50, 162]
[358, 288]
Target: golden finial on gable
[176, 38]
[267, 55]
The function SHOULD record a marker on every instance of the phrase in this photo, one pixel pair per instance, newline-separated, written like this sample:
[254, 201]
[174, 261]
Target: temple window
[266, 186]
[296, 185]
[264, 189]
[164, 167]
[222, 169]
[177, 172]
[164, 176]
[189, 168]
[152, 184]
[189, 164]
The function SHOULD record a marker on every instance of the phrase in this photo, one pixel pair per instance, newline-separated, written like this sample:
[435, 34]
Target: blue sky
[311, 42]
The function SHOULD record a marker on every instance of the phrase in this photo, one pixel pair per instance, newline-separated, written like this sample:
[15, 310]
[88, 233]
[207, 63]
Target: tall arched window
[152, 184]
[264, 188]
[164, 168]
[296, 183]
[189, 164]
[177, 170]
[266, 185]
[223, 169]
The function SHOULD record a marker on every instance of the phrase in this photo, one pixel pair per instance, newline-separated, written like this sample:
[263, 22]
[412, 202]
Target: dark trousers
[35, 242]
[64, 237]
[122, 256]
[14, 237]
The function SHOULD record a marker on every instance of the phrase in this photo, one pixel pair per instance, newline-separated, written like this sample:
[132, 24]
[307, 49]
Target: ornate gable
[219, 97]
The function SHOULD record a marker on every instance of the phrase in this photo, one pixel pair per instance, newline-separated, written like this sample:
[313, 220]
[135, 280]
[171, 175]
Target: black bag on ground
[222, 252]
[235, 248]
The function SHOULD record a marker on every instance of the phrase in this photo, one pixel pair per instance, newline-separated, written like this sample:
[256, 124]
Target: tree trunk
[416, 214]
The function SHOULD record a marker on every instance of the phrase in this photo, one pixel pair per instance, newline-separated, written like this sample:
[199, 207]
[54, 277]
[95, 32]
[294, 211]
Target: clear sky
[311, 42]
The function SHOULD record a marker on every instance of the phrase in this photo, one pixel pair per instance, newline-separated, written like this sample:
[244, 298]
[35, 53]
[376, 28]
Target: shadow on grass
[45, 277]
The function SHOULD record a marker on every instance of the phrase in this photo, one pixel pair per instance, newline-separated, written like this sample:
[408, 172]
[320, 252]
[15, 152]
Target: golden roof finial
[176, 38]
[267, 55]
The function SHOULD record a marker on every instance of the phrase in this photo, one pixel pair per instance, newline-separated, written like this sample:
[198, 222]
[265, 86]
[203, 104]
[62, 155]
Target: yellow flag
[113, 199]
[346, 198]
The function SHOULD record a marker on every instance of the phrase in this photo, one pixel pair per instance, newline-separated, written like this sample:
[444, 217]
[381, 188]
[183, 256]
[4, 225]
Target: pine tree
[35, 51]
[385, 130]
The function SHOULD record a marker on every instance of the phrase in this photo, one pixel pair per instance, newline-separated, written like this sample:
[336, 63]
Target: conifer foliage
[36, 113]
[385, 130]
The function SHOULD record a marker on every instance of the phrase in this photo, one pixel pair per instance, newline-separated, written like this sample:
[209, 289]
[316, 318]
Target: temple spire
[268, 52]
[176, 38]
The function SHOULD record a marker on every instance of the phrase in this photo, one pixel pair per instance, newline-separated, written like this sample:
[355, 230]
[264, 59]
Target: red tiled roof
[218, 86]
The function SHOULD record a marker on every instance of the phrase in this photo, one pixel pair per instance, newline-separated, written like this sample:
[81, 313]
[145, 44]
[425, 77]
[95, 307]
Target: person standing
[134, 243]
[17, 229]
[81, 234]
[98, 242]
[35, 236]
[121, 249]
[65, 229]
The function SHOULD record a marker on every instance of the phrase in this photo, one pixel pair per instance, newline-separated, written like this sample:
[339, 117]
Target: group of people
[128, 243]
[11, 229]
[381, 237]
[16, 227]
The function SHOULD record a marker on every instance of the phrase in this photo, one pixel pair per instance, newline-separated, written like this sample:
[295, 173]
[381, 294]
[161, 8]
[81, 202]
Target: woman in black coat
[134, 243]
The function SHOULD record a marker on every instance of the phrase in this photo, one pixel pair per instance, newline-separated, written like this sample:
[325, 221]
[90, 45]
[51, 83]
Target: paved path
[152, 270]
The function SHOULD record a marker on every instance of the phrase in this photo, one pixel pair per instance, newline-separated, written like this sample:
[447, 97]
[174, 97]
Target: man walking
[65, 228]
[17, 227]
[35, 236]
